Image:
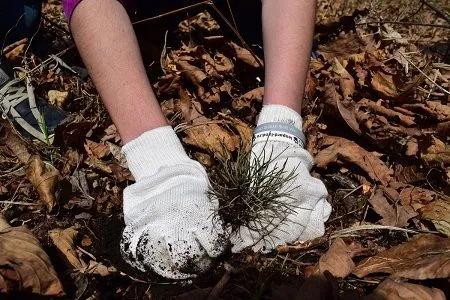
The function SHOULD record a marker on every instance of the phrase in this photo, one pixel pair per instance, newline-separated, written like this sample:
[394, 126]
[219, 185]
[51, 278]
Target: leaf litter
[377, 120]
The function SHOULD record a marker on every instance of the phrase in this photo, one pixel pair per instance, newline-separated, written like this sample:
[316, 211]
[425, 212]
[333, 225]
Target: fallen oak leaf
[96, 149]
[13, 142]
[340, 150]
[438, 212]
[63, 240]
[346, 81]
[24, 265]
[436, 154]
[425, 256]
[337, 260]
[246, 56]
[45, 179]
[390, 114]
[392, 216]
[345, 108]
[392, 289]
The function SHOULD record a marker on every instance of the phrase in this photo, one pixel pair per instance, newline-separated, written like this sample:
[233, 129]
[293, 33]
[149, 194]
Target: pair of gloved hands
[170, 227]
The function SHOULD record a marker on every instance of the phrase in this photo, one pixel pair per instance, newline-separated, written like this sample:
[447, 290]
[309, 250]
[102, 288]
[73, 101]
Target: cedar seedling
[249, 191]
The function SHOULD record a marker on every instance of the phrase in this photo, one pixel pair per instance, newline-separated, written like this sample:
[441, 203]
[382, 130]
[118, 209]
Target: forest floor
[377, 120]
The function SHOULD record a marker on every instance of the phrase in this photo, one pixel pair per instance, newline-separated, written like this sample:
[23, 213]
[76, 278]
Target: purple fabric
[69, 6]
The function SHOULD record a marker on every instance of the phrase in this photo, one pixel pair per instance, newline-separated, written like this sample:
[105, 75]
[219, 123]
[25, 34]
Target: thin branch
[426, 76]
[443, 14]
[404, 23]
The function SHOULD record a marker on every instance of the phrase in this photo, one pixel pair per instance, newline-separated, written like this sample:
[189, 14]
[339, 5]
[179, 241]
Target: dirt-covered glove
[278, 138]
[170, 224]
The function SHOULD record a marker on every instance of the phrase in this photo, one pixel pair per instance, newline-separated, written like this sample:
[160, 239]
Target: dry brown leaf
[14, 52]
[392, 216]
[98, 164]
[96, 149]
[24, 265]
[436, 154]
[95, 267]
[195, 75]
[116, 151]
[339, 150]
[438, 212]
[425, 256]
[345, 108]
[57, 98]
[45, 179]
[390, 114]
[385, 84]
[202, 20]
[416, 197]
[443, 129]
[392, 289]
[13, 142]
[246, 56]
[337, 260]
[63, 240]
[246, 105]
[346, 81]
[212, 137]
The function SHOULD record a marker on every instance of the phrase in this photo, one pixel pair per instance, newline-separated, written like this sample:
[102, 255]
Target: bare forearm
[108, 46]
[288, 27]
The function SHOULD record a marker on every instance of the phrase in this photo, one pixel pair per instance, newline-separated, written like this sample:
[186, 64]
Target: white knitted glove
[279, 135]
[169, 221]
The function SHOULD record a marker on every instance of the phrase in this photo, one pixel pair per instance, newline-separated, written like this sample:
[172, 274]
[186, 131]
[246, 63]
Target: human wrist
[153, 150]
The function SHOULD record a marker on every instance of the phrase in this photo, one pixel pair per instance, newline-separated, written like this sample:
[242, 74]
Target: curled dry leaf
[436, 154]
[246, 56]
[438, 212]
[390, 114]
[63, 240]
[416, 197]
[13, 142]
[212, 137]
[45, 179]
[203, 20]
[24, 265]
[346, 81]
[247, 104]
[337, 260]
[385, 84]
[340, 150]
[392, 215]
[195, 75]
[96, 149]
[425, 256]
[392, 289]
[345, 108]
[57, 98]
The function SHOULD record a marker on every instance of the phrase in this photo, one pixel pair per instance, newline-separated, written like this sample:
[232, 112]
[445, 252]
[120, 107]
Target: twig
[346, 231]
[19, 203]
[426, 76]
[443, 14]
[163, 53]
[217, 290]
[404, 23]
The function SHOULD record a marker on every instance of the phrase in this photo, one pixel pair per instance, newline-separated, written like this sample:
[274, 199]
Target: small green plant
[44, 128]
[249, 189]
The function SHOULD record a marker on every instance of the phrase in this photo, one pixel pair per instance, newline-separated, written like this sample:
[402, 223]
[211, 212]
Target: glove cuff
[279, 123]
[153, 150]
[275, 113]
